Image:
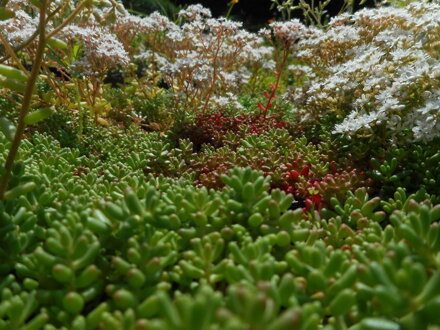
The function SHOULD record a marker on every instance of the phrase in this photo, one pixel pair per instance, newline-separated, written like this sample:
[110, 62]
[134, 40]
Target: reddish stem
[277, 83]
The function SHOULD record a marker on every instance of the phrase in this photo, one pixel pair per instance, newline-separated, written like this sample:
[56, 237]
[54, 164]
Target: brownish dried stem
[26, 101]
[19, 47]
[12, 54]
[214, 74]
[69, 19]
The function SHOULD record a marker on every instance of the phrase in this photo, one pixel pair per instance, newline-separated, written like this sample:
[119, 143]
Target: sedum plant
[235, 218]
[100, 245]
[376, 70]
[51, 18]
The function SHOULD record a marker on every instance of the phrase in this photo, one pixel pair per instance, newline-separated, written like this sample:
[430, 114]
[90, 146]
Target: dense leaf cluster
[97, 244]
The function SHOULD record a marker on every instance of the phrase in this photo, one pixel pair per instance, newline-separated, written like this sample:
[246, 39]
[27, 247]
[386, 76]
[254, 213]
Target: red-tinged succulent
[333, 168]
[296, 175]
[295, 166]
[338, 184]
[293, 175]
[318, 191]
[213, 128]
[313, 202]
[305, 171]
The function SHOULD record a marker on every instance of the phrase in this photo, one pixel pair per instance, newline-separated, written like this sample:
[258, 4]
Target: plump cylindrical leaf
[56, 43]
[12, 73]
[73, 303]
[36, 3]
[343, 302]
[124, 299]
[7, 128]
[37, 116]
[62, 273]
[12, 84]
[20, 190]
[6, 13]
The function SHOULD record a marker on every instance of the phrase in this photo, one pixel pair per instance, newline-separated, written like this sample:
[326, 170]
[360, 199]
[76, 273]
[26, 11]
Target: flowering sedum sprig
[377, 70]
[283, 36]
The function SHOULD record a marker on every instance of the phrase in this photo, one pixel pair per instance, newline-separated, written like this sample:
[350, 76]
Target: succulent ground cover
[185, 173]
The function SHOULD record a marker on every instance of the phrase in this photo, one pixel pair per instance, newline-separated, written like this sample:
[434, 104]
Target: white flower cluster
[102, 50]
[207, 57]
[127, 27]
[225, 102]
[20, 28]
[195, 13]
[203, 58]
[101, 47]
[290, 31]
[376, 67]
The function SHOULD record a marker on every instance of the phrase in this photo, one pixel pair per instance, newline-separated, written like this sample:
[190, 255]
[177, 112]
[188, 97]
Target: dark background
[254, 13]
[251, 12]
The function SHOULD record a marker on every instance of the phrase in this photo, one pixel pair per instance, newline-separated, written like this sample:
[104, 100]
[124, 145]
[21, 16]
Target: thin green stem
[231, 5]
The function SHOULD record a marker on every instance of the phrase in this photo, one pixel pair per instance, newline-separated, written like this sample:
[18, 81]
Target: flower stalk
[270, 97]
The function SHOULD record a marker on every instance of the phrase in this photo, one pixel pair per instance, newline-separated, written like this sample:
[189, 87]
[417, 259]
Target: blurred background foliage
[166, 7]
[254, 14]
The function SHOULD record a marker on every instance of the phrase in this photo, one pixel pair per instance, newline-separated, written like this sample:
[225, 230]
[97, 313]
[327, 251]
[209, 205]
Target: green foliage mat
[100, 245]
